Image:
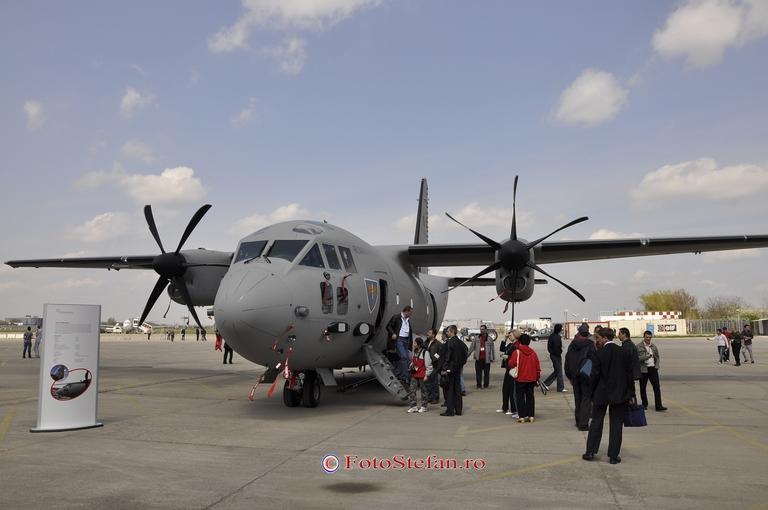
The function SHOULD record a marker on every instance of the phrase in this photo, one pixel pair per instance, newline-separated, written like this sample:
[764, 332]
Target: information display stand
[69, 368]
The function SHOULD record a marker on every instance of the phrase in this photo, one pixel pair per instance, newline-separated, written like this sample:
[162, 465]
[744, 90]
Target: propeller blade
[162, 282]
[540, 270]
[490, 242]
[192, 224]
[152, 227]
[513, 233]
[182, 286]
[492, 267]
[574, 222]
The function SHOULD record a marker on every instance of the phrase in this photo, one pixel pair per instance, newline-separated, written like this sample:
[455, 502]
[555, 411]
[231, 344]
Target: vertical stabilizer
[422, 216]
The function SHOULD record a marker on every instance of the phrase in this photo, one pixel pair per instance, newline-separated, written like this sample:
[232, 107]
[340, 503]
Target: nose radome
[252, 303]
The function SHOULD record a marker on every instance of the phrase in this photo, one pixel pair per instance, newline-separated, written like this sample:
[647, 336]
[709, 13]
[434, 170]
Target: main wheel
[290, 398]
[311, 394]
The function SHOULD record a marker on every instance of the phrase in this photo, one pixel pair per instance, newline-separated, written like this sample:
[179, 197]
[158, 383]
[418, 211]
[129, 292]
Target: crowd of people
[602, 367]
[738, 342]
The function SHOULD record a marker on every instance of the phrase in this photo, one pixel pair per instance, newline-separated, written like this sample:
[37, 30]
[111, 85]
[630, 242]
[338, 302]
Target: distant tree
[111, 321]
[724, 307]
[671, 300]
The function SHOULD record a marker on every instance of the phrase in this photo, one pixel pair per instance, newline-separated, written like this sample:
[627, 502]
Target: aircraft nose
[252, 306]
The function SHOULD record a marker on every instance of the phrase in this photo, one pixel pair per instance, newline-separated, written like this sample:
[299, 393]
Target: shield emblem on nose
[372, 291]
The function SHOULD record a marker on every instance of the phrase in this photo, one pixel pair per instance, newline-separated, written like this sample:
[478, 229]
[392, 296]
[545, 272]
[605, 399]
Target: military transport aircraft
[305, 297]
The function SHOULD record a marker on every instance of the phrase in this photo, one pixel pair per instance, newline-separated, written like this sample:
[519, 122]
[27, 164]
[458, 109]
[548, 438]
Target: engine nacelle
[520, 285]
[203, 280]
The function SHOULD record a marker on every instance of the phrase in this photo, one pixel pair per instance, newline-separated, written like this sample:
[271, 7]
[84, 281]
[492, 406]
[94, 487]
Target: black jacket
[612, 375]
[630, 346]
[555, 345]
[575, 353]
[455, 351]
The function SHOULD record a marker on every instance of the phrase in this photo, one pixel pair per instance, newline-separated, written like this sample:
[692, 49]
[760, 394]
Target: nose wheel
[305, 390]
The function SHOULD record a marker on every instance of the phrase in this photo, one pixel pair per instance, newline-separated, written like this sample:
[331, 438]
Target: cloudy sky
[648, 117]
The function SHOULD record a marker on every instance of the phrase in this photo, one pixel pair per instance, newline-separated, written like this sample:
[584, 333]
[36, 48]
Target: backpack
[585, 367]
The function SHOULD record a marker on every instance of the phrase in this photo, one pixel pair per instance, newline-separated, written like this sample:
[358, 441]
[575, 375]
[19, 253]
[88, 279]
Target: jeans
[721, 352]
[27, 349]
[401, 369]
[653, 376]
[482, 373]
[557, 365]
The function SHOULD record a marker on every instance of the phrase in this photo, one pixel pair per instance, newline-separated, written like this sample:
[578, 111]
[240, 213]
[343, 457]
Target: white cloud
[249, 224]
[291, 54]
[474, 215]
[245, 115]
[138, 150]
[105, 226]
[172, 185]
[35, 114]
[133, 101]
[701, 30]
[283, 15]
[604, 234]
[641, 276]
[719, 256]
[593, 98]
[701, 179]
[75, 284]
[138, 69]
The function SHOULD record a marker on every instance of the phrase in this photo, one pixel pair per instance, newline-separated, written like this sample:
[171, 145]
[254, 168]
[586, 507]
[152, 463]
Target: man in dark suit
[452, 365]
[613, 386]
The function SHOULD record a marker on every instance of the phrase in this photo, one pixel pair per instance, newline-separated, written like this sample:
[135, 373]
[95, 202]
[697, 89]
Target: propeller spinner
[171, 266]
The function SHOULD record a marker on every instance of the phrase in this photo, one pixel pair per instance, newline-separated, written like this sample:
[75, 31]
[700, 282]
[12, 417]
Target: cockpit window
[346, 258]
[250, 250]
[313, 258]
[286, 250]
[331, 257]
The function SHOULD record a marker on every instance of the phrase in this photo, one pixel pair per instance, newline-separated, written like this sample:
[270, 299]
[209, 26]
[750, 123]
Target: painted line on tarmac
[463, 431]
[570, 460]
[754, 442]
[134, 402]
[6, 423]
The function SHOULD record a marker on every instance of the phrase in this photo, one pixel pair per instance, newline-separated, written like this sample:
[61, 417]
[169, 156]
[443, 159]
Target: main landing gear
[302, 388]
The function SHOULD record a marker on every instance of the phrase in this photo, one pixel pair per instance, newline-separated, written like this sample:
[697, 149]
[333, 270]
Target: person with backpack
[526, 361]
[578, 365]
[484, 353]
[453, 363]
[421, 369]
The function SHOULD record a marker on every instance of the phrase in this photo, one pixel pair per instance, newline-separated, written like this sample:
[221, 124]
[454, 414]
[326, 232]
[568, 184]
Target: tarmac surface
[180, 432]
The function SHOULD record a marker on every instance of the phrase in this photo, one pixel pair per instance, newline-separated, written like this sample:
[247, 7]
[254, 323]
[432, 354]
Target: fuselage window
[313, 258]
[326, 294]
[286, 250]
[331, 257]
[347, 260]
[249, 250]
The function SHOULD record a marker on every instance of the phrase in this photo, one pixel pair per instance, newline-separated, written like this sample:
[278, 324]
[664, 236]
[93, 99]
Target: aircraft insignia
[372, 290]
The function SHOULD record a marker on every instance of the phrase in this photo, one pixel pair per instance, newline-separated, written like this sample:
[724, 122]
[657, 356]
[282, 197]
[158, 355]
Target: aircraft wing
[437, 255]
[116, 263]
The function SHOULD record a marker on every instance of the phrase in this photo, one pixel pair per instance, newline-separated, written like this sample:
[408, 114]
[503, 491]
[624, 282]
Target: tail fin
[422, 216]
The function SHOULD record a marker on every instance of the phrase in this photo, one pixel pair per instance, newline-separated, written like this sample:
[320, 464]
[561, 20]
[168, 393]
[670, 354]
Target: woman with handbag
[525, 368]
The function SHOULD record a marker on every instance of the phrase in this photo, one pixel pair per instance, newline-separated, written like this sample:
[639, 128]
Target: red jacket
[529, 369]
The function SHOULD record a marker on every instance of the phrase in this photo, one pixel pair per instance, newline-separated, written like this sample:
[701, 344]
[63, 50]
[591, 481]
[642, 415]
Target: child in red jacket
[528, 373]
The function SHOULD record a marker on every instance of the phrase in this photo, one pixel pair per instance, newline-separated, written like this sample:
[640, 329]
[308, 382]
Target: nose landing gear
[302, 388]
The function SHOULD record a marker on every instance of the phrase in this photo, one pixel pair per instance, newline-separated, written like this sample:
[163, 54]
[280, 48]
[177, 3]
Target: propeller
[172, 266]
[515, 255]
